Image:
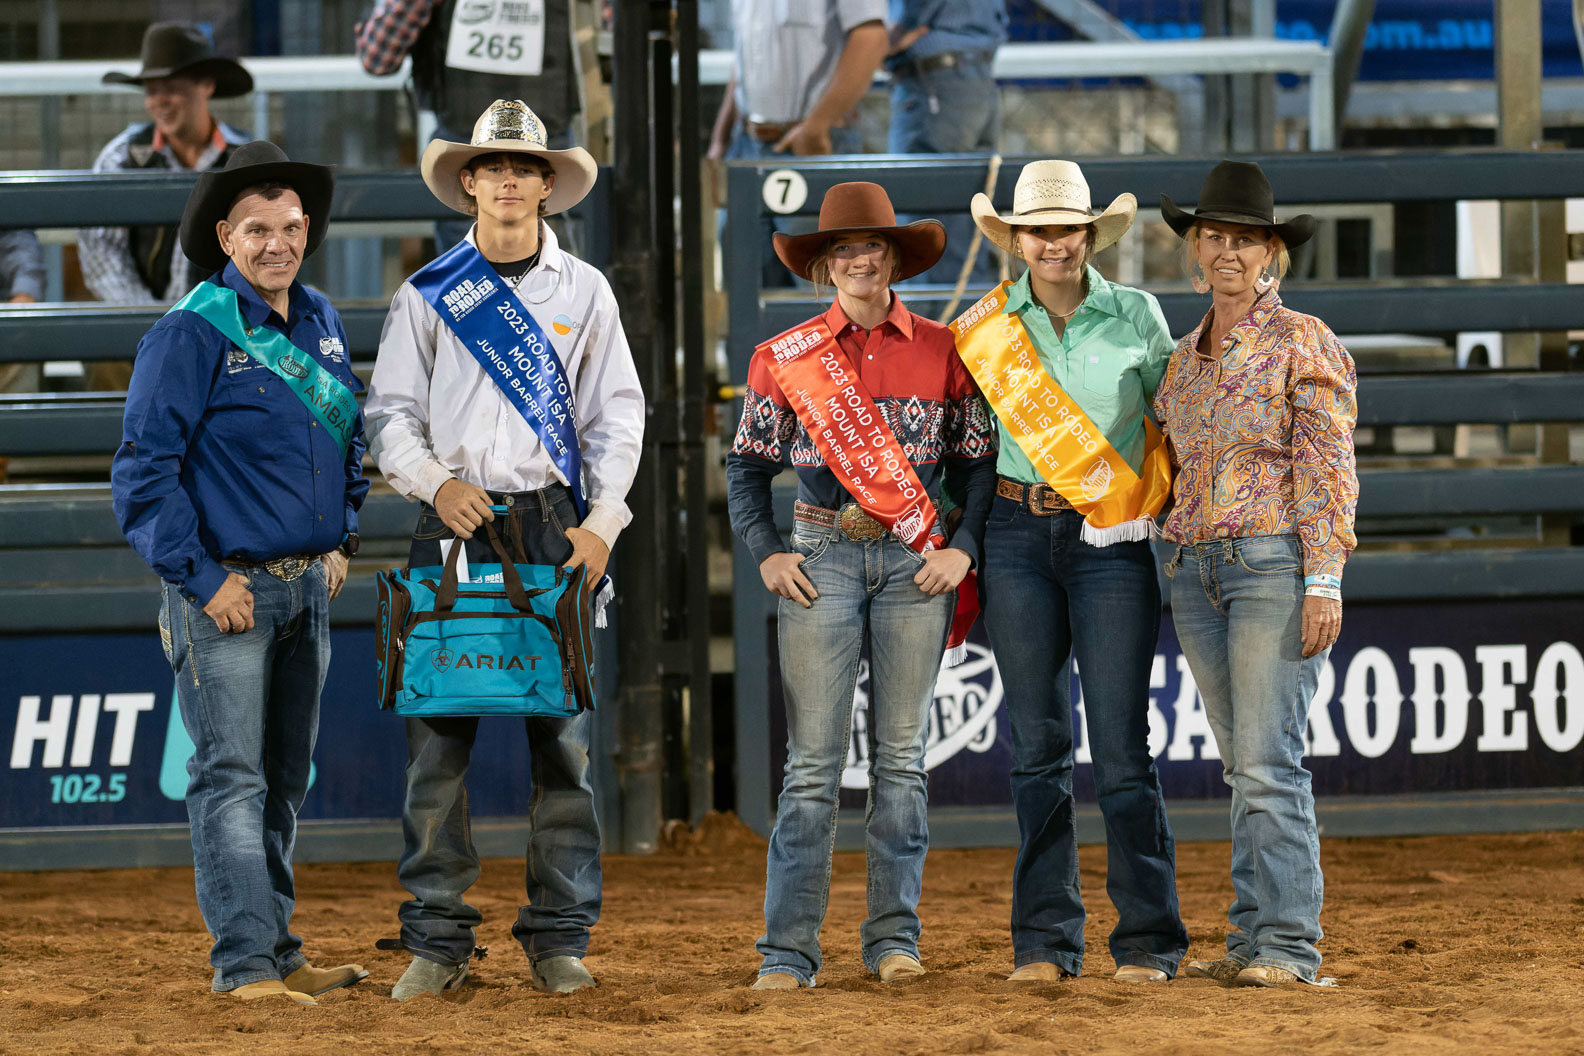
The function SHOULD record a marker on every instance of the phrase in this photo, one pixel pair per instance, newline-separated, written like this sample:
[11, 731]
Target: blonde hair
[819, 272]
[1281, 261]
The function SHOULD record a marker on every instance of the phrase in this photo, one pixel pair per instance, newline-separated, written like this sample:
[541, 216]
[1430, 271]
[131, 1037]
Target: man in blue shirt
[238, 480]
[944, 100]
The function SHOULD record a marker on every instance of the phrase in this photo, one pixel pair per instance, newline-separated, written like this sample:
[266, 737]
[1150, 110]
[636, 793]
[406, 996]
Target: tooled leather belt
[1041, 500]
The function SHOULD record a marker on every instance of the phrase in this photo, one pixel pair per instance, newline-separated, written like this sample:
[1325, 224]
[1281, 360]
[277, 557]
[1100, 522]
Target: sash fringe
[603, 596]
[956, 654]
[1137, 530]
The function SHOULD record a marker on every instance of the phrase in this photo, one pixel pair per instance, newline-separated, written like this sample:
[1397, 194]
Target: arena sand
[1448, 944]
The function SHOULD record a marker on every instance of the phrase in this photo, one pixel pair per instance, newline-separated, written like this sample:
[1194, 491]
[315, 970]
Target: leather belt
[945, 60]
[850, 520]
[1041, 500]
[765, 131]
[287, 568]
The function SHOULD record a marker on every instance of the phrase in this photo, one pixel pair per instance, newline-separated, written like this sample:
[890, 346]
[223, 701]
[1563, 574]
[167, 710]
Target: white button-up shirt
[433, 414]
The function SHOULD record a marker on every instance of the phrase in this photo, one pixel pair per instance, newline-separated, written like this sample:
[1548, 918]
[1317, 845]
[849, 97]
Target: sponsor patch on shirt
[331, 348]
[237, 361]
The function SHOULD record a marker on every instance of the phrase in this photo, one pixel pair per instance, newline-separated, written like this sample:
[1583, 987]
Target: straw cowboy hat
[171, 48]
[1053, 192]
[850, 207]
[1237, 192]
[507, 125]
[257, 162]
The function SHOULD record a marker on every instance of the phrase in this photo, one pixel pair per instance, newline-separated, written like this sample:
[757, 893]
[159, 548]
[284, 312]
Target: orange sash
[852, 437]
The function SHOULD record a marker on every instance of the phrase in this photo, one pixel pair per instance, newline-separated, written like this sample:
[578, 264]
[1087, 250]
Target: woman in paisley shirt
[1259, 405]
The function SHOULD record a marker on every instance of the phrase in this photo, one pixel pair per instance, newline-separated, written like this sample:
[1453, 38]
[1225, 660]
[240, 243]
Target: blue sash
[501, 333]
[326, 396]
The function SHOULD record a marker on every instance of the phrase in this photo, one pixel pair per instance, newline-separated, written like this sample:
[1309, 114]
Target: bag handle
[445, 597]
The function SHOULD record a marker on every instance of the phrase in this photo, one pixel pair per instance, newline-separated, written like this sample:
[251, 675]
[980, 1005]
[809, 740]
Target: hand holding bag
[520, 646]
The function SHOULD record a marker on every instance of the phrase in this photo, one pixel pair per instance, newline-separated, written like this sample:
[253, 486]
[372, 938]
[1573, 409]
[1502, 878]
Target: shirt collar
[899, 317]
[254, 309]
[552, 254]
[1102, 296]
[217, 138]
[1248, 328]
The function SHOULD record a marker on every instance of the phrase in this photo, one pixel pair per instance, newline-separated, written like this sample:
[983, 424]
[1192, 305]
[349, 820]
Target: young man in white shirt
[448, 428]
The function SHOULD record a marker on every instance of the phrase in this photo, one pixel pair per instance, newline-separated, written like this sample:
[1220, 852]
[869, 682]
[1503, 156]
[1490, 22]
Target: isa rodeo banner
[1413, 699]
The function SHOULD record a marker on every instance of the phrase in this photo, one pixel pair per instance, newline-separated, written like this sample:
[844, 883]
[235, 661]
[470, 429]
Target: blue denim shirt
[219, 457]
[955, 25]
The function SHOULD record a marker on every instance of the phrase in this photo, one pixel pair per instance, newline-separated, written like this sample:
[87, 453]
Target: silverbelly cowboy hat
[172, 48]
[508, 125]
[860, 206]
[257, 162]
[1237, 192]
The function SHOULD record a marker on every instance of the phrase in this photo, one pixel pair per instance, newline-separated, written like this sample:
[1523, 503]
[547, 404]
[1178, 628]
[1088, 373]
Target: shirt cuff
[764, 542]
[604, 523]
[1323, 563]
[431, 478]
[964, 541]
[206, 582]
[29, 285]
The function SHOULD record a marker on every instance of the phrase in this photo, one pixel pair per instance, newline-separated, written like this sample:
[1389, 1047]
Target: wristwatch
[349, 545]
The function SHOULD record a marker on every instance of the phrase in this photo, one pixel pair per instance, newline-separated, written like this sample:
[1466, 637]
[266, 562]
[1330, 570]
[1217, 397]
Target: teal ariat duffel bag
[518, 643]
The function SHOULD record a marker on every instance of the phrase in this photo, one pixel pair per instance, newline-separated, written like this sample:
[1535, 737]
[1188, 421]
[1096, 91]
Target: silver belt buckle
[288, 568]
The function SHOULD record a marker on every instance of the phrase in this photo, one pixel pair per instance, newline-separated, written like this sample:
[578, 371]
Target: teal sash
[326, 396]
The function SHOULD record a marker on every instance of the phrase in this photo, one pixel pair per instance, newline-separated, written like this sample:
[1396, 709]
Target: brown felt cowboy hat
[172, 48]
[257, 162]
[508, 125]
[1237, 192]
[852, 207]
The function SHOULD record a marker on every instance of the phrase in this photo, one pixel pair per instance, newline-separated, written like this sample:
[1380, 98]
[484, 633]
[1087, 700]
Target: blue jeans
[439, 862]
[250, 703]
[1047, 594]
[863, 586]
[949, 111]
[1238, 605]
[743, 147]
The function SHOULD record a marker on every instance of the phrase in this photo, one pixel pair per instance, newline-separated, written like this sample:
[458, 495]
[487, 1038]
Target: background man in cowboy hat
[238, 480]
[446, 433]
[180, 74]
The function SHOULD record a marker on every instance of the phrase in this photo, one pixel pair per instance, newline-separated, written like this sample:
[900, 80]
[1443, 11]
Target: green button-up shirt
[1109, 360]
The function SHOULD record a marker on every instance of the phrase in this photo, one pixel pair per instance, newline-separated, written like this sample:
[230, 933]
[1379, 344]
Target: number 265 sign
[498, 36]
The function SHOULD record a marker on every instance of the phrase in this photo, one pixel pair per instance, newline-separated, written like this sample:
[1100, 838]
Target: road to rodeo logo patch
[961, 715]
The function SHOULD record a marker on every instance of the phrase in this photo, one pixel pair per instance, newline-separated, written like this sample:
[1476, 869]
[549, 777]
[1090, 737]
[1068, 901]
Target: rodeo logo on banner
[1412, 700]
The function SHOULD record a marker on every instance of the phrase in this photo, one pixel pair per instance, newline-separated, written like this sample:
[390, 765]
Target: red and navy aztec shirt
[911, 369]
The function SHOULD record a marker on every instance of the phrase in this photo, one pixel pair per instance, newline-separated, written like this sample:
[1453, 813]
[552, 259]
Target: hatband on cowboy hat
[172, 48]
[508, 125]
[1237, 192]
[1052, 193]
[257, 162]
[861, 206]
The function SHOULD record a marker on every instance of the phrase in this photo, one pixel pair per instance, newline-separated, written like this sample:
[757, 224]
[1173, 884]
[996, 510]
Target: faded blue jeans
[1048, 594]
[439, 862]
[1237, 605]
[955, 110]
[864, 586]
[250, 703]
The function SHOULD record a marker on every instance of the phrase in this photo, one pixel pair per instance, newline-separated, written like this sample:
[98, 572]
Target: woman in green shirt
[1051, 592]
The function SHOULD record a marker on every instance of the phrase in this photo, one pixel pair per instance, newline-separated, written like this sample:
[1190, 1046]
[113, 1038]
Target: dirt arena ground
[1467, 944]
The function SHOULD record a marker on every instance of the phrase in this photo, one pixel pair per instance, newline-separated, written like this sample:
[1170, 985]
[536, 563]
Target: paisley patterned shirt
[1263, 435]
[910, 367]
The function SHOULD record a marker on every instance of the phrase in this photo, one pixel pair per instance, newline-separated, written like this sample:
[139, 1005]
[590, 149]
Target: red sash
[858, 446]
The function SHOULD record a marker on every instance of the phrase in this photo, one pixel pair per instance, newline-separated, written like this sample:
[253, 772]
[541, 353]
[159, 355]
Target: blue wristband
[1322, 581]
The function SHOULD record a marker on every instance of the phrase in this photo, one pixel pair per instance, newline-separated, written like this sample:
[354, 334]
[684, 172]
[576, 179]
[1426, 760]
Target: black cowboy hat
[171, 48]
[257, 162]
[1237, 192]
